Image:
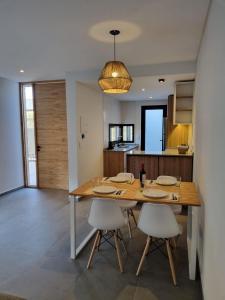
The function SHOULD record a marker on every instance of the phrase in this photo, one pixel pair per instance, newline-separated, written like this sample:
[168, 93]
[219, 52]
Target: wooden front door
[51, 127]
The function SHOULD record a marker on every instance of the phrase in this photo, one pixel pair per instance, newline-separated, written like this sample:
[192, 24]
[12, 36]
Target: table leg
[74, 248]
[72, 227]
[192, 239]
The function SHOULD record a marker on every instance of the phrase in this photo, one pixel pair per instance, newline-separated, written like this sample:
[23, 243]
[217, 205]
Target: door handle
[38, 148]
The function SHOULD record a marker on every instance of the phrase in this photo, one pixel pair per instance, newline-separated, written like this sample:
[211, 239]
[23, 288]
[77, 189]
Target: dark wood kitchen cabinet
[134, 164]
[156, 165]
[115, 161]
[176, 166]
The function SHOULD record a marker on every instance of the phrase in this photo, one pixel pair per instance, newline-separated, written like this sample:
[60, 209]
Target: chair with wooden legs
[158, 221]
[177, 209]
[106, 216]
[127, 206]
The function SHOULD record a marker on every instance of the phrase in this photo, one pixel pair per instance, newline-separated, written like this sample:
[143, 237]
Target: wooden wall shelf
[183, 102]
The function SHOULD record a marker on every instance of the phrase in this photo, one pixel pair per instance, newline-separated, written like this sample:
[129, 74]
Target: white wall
[209, 168]
[112, 114]
[11, 163]
[86, 156]
[131, 113]
[89, 122]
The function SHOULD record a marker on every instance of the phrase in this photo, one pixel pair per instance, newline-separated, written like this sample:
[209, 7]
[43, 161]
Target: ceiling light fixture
[161, 80]
[114, 78]
[143, 89]
[150, 97]
[21, 71]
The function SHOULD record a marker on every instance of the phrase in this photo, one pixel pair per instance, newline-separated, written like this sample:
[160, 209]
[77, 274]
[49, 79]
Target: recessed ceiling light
[161, 80]
[143, 89]
[21, 71]
[150, 97]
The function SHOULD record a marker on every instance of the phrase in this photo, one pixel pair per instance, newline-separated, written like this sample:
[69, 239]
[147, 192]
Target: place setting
[120, 178]
[100, 188]
[165, 181]
[160, 194]
[151, 190]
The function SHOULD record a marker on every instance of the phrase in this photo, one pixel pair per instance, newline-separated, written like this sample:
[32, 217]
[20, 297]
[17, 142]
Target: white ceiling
[152, 88]
[150, 84]
[46, 38]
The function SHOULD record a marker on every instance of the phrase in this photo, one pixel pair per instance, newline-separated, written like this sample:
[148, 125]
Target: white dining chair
[127, 205]
[158, 221]
[106, 216]
[177, 209]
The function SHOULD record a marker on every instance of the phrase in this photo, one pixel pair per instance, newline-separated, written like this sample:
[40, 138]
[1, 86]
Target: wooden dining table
[186, 195]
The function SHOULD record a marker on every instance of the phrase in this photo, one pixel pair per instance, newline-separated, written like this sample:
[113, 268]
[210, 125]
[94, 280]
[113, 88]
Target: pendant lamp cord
[114, 47]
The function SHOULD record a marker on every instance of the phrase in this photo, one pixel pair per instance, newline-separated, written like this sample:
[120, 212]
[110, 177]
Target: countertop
[167, 152]
[123, 149]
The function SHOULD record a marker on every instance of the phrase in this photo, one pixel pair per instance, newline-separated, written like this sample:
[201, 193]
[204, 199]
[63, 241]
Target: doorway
[45, 134]
[153, 123]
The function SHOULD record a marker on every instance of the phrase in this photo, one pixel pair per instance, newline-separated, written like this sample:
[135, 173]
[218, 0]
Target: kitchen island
[168, 162]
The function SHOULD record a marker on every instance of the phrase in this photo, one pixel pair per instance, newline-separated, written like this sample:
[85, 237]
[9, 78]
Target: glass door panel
[29, 137]
[153, 130]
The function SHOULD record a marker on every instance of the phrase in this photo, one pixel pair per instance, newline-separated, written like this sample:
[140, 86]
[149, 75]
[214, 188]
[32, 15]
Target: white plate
[166, 180]
[154, 193]
[104, 189]
[119, 179]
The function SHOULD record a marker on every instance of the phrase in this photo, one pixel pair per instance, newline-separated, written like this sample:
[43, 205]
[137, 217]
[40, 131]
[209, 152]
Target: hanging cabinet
[183, 102]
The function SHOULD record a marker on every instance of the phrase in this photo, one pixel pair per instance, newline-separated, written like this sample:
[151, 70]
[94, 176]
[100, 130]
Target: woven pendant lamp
[114, 78]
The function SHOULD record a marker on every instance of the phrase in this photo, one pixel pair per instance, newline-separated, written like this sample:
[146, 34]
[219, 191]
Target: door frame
[143, 110]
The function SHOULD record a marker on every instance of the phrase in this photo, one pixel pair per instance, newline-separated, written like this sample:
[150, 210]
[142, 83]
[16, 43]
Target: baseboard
[13, 190]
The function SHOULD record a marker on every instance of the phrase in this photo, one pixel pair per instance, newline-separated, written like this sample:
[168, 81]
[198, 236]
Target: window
[29, 137]
[121, 133]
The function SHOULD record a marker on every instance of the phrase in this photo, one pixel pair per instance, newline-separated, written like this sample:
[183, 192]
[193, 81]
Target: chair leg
[93, 249]
[173, 243]
[120, 235]
[118, 252]
[128, 223]
[99, 240]
[143, 255]
[132, 214]
[171, 262]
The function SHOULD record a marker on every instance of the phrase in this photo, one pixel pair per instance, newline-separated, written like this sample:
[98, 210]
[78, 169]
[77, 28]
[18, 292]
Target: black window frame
[121, 129]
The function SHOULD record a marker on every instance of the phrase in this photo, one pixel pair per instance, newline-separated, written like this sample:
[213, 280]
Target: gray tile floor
[35, 263]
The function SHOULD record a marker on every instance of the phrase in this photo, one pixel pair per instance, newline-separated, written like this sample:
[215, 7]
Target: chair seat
[126, 203]
[158, 220]
[106, 214]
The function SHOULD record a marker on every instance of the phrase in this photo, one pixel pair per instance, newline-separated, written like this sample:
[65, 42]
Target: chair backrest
[158, 220]
[105, 214]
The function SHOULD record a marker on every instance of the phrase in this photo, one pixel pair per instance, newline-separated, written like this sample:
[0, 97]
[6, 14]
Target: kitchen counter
[156, 163]
[124, 148]
[167, 152]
